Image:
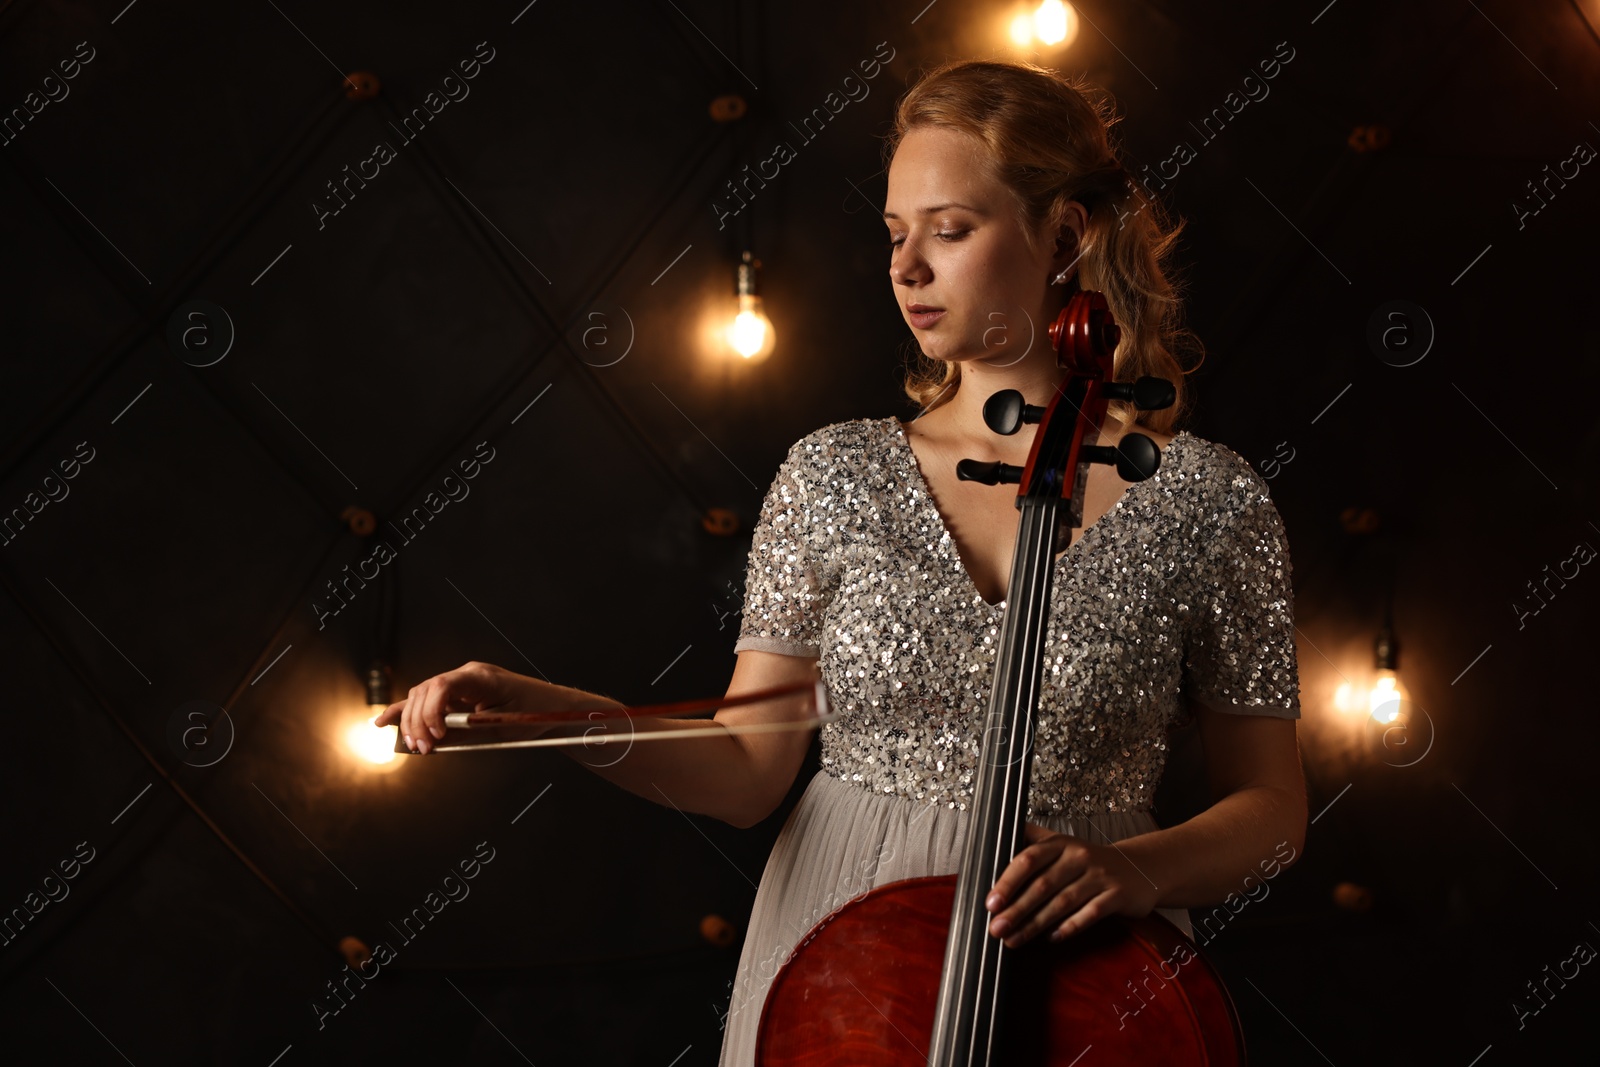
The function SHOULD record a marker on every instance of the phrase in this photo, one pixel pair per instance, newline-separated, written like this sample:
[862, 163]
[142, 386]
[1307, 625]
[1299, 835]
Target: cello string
[1033, 578]
[1039, 533]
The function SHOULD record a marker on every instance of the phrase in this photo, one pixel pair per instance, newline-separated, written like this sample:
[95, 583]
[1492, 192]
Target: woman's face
[958, 246]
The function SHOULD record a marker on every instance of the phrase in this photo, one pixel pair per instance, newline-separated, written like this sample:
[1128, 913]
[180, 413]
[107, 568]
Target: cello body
[860, 990]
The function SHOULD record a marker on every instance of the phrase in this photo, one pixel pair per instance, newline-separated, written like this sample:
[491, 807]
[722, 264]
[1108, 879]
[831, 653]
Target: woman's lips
[924, 319]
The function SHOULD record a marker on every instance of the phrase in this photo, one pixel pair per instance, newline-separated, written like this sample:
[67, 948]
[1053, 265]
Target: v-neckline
[914, 465]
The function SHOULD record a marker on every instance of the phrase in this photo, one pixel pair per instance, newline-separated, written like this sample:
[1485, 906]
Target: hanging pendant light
[1386, 698]
[750, 334]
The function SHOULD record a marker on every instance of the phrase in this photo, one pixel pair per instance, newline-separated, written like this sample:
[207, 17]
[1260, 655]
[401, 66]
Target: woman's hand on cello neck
[1063, 884]
[1060, 884]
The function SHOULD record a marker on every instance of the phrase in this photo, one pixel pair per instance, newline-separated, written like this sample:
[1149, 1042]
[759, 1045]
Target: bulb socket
[1386, 650]
[378, 685]
[745, 280]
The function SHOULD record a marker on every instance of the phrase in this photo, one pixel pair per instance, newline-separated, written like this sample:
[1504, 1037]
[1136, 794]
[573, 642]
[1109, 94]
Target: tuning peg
[1006, 411]
[974, 470]
[1148, 393]
[1136, 456]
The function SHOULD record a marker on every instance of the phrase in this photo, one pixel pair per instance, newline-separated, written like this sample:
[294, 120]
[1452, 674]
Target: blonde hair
[1047, 140]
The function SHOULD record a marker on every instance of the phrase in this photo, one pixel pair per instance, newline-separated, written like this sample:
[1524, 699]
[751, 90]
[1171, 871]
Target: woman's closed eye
[944, 235]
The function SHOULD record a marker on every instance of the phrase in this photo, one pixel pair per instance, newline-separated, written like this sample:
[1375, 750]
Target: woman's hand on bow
[1061, 884]
[478, 686]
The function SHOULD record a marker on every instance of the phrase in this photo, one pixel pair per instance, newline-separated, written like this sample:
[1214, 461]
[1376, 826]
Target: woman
[871, 559]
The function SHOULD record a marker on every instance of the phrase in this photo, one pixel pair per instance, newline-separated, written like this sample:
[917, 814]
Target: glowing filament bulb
[369, 743]
[1051, 22]
[1384, 700]
[750, 334]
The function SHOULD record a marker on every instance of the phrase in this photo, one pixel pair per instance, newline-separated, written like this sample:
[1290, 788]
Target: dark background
[457, 289]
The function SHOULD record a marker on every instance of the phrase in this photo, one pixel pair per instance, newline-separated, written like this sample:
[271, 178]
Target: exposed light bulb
[1385, 697]
[750, 334]
[1051, 21]
[370, 743]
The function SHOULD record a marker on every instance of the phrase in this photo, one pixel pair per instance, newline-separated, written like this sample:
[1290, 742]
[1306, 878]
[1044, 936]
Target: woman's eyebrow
[934, 208]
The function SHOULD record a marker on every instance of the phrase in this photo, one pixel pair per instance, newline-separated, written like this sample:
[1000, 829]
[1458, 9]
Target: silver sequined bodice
[1181, 591]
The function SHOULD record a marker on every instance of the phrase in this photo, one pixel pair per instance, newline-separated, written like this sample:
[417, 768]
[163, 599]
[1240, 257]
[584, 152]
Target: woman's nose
[907, 266]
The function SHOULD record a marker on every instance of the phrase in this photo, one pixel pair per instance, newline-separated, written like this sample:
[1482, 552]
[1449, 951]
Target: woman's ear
[1069, 237]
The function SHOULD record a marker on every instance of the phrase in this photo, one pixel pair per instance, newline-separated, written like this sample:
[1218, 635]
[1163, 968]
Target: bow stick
[497, 729]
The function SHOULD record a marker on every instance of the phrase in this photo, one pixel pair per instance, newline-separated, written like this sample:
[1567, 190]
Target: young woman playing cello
[872, 562]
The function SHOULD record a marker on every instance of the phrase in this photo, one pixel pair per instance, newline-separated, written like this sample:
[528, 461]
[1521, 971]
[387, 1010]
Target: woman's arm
[1065, 883]
[1253, 765]
[738, 778]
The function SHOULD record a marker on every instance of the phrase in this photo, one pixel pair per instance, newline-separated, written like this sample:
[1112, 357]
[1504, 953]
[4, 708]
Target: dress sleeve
[785, 579]
[1240, 651]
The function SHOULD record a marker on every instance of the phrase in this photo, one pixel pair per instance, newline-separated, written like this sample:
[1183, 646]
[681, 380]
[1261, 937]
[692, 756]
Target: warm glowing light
[1051, 21]
[369, 742]
[750, 334]
[1385, 697]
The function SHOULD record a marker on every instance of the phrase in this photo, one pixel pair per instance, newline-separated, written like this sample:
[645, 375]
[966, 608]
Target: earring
[1061, 279]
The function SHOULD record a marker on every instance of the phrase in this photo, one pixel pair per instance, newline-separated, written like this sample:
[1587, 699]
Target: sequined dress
[1181, 591]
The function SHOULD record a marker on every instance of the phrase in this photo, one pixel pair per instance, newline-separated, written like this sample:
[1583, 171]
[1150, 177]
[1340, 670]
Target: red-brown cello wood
[908, 973]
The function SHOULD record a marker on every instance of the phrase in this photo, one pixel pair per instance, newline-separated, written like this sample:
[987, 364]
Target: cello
[908, 974]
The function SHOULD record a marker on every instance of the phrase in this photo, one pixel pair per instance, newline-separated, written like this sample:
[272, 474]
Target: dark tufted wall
[243, 296]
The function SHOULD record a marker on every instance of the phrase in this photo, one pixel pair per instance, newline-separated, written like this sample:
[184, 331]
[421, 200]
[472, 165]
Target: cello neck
[966, 1018]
